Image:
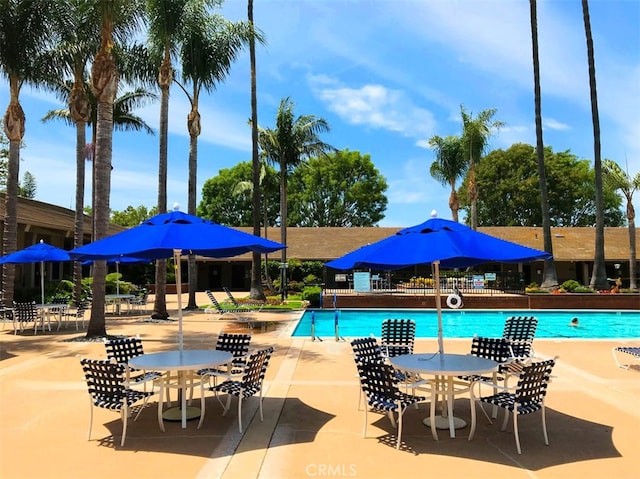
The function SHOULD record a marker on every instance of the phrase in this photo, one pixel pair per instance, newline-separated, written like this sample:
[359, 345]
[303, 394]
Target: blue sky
[386, 75]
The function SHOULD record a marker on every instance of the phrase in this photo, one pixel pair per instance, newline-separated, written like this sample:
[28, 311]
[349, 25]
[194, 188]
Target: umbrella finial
[434, 214]
[176, 206]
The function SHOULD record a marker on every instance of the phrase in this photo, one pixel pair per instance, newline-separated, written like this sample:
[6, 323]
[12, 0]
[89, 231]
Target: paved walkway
[312, 427]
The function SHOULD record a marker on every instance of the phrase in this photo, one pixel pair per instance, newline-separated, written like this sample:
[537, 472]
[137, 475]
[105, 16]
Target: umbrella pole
[436, 279]
[176, 256]
[42, 281]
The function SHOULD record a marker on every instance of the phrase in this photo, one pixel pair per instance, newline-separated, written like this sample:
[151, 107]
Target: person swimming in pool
[574, 322]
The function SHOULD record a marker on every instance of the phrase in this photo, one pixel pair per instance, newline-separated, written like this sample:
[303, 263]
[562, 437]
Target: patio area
[312, 426]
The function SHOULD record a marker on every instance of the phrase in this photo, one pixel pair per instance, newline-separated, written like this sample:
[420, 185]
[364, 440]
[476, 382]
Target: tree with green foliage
[133, 216]
[344, 189]
[225, 203]
[510, 189]
[614, 177]
[292, 141]
[475, 136]
[449, 166]
[28, 186]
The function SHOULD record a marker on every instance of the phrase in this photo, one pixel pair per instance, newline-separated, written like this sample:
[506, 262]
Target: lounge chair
[632, 351]
[254, 306]
[227, 313]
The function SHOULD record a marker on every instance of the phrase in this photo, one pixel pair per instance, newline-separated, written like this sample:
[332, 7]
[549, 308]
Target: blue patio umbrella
[38, 253]
[175, 234]
[441, 243]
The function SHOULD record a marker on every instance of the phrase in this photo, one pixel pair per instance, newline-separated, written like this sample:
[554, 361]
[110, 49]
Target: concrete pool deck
[312, 427]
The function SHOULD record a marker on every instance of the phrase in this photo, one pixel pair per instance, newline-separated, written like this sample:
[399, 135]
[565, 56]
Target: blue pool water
[594, 324]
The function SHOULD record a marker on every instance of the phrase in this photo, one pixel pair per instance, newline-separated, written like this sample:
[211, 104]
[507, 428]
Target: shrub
[570, 285]
[312, 294]
[310, 279]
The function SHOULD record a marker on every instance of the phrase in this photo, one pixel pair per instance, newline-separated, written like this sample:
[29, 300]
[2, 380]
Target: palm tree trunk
[104, 82]
[78, 226]
[79, 112]
[14, 124]
[283, 229]
[165, 78]
[193, 124]
[102, 160]
[599, 275]
[256, 291]
[550, 278]
[454, 203]
[631, 217]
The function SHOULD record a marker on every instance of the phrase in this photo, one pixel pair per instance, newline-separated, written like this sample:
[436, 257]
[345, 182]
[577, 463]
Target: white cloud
[555, 125]
[375, 106]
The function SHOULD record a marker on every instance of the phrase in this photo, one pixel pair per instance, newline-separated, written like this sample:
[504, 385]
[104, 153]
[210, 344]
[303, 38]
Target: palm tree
[123, 117]
[475, 134]
[122, 15]
[166, 23]
[25, 31]
[209, 48]
[449, 166]
[79, 42]
[292, 141]
[256, 291]
[123, 120]
[616, 178]
[550, 276]
[599, 274]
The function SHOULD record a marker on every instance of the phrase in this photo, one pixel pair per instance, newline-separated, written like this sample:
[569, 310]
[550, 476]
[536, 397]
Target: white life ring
[454, 301]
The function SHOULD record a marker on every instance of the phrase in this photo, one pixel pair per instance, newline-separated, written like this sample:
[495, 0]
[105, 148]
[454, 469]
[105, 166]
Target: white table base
[442, 422]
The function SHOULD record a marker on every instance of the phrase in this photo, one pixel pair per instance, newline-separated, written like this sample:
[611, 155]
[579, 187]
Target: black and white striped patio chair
[106, 383]
[398, 336]
[525, 398]
[380, 387]
[520, 331]
[248, 385]
[24, 313]
[121, 350]
[238, 345]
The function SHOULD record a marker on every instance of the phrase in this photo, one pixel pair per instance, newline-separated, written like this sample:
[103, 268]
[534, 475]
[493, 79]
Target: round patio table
[183, 362]
[446, 368]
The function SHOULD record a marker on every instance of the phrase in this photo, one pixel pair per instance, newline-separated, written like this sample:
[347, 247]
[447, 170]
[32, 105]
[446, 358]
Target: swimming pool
[594, 324]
